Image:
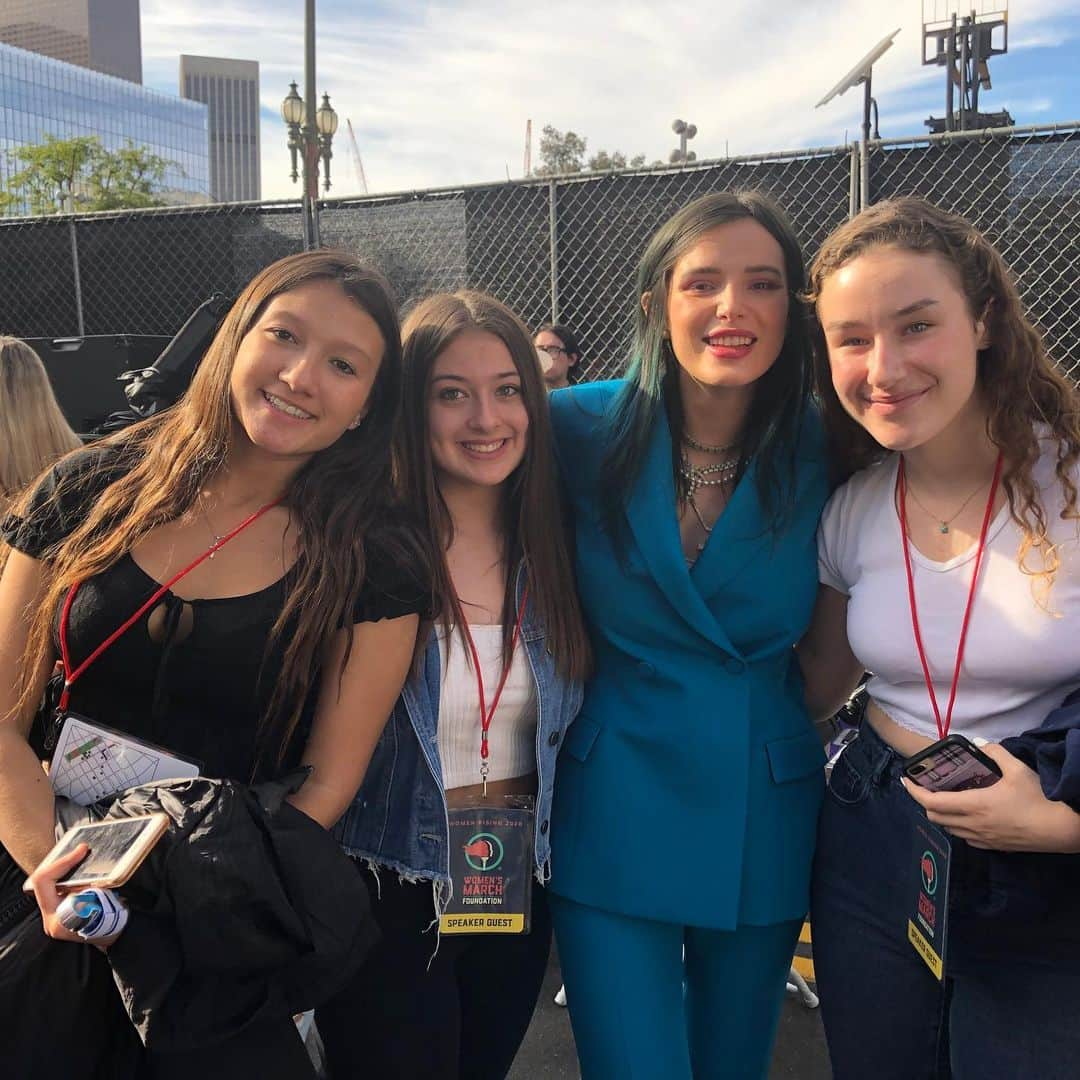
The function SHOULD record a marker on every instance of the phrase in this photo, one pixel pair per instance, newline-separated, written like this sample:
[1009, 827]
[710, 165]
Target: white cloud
[439, 93]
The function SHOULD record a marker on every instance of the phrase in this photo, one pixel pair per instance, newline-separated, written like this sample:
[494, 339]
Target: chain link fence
[563, 249]
[1019, 186]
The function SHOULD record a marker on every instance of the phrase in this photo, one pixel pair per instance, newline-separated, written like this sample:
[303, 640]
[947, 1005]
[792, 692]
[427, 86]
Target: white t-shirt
[512, 735]
[1021, 659]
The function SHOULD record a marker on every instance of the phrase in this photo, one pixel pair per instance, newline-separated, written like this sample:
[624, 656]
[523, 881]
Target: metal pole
[553, 249]
[853, 183]
[78, 279]
[976, 56]
[864, 183]
[964, 42]
[311, 177]
[950, 62]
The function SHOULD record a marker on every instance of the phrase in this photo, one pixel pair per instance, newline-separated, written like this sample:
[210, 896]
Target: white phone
[117, 848]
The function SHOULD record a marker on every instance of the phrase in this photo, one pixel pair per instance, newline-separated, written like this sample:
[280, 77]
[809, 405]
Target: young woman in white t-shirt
[939, 396]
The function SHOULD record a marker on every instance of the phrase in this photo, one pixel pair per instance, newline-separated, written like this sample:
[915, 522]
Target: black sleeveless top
[203, 695]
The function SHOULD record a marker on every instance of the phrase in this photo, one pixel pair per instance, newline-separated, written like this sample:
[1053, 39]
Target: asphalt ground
[548, 1050]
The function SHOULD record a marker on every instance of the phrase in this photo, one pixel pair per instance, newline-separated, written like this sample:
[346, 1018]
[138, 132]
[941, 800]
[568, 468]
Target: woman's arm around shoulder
[829, 667]
[352, 711]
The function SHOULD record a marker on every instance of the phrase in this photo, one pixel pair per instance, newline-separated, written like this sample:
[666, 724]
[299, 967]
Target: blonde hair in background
[33, 431]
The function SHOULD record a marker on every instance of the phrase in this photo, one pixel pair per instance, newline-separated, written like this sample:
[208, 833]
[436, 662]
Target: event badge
[928, 877]
[93, 762]
[491, 860]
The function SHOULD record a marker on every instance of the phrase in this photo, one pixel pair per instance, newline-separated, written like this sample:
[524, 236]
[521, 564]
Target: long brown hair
[532, 520]
[33, 431]
[1019, 383]
[333, 501]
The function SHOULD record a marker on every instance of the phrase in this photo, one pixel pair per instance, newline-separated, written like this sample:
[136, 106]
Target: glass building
[99, 34]
[41, 96]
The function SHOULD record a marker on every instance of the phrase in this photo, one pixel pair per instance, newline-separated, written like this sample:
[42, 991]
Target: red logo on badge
[928, 869]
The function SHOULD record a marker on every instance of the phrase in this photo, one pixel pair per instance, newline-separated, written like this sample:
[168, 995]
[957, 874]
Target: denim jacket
[398, 818]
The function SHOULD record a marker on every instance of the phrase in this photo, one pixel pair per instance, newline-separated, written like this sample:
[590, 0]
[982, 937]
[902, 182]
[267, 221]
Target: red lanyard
[70, 676]
[901, 493]
[486, 714]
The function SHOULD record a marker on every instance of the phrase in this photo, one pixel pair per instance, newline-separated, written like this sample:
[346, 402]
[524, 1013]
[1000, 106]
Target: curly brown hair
[1019, 383]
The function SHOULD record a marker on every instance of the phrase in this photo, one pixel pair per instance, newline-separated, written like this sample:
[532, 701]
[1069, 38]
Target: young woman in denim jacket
[936, 386]
[475, 453]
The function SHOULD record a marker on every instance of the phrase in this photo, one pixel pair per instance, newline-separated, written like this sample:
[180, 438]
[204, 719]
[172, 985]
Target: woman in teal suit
[688, 788]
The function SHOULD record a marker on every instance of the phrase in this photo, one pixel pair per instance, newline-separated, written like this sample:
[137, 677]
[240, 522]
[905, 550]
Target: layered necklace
[718, 474]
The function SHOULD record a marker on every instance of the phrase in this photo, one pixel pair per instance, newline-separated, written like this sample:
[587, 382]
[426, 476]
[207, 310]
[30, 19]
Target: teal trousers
[641, 1011]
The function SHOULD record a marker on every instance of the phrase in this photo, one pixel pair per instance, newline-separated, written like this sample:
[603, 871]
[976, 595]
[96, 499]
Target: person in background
[286, 645]
[688, 788]
[950, 569]
[475, 457]
[33, 431]
[559, 345]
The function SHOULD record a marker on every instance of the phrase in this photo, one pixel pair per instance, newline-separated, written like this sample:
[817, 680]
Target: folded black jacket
[1053, 751]
[246, 910]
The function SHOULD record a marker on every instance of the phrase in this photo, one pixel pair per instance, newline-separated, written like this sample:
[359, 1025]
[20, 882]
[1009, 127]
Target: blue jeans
[1009, 1006]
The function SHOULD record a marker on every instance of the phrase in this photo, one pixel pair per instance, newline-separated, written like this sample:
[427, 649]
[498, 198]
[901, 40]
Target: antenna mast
[963, 45]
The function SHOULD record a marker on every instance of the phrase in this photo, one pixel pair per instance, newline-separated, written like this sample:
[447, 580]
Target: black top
[203, 695]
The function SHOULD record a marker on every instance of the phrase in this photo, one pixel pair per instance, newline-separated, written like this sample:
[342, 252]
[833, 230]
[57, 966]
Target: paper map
[92, 762]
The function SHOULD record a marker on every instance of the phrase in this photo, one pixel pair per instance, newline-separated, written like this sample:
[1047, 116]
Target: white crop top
[1021, 659]
[512, 735]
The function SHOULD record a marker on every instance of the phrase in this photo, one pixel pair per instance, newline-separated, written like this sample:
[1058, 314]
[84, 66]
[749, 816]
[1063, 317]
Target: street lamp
[310, 133]
[312, 144]
[292, 112]
[326, 120]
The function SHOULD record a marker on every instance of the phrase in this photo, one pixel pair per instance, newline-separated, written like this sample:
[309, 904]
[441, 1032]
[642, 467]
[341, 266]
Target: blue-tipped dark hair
[781, 395]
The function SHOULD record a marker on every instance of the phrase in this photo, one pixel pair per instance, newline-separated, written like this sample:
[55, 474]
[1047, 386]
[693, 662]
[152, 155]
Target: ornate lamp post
[310, 132]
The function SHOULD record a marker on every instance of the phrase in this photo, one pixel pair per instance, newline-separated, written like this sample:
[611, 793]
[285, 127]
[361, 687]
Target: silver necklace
[206, 517]
[699, 476]
[705, 448]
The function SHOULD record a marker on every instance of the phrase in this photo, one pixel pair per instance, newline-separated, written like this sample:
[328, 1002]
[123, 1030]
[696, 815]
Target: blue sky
[439, 92]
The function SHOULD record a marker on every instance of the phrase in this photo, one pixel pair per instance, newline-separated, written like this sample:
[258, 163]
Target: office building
[230, 90]
[40, 96]
[102, 35]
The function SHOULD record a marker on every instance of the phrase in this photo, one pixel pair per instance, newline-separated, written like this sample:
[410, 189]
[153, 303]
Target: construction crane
[357, 163]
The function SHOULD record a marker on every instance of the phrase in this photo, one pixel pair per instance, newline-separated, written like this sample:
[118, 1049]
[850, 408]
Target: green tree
[125, 178]
[560, 152]
[602, 161]
[80, 174]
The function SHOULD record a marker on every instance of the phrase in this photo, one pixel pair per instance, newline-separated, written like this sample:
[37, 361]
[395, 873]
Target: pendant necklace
[206, 517]
[944, 523]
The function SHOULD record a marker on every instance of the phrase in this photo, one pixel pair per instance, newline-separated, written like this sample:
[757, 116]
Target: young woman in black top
[290, 644]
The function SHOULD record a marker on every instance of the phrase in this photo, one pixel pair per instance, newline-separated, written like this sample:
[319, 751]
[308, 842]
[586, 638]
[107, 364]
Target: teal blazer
[688, 788]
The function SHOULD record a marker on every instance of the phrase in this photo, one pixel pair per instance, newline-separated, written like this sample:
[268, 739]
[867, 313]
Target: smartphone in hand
[952, 764]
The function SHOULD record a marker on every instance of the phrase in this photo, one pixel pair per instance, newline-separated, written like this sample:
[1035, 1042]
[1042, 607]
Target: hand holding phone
[117, 846]
[952, 764]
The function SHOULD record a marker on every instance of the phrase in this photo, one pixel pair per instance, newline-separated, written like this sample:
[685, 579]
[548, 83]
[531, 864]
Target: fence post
[75, 274]
[553, 249]
[853, 182]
